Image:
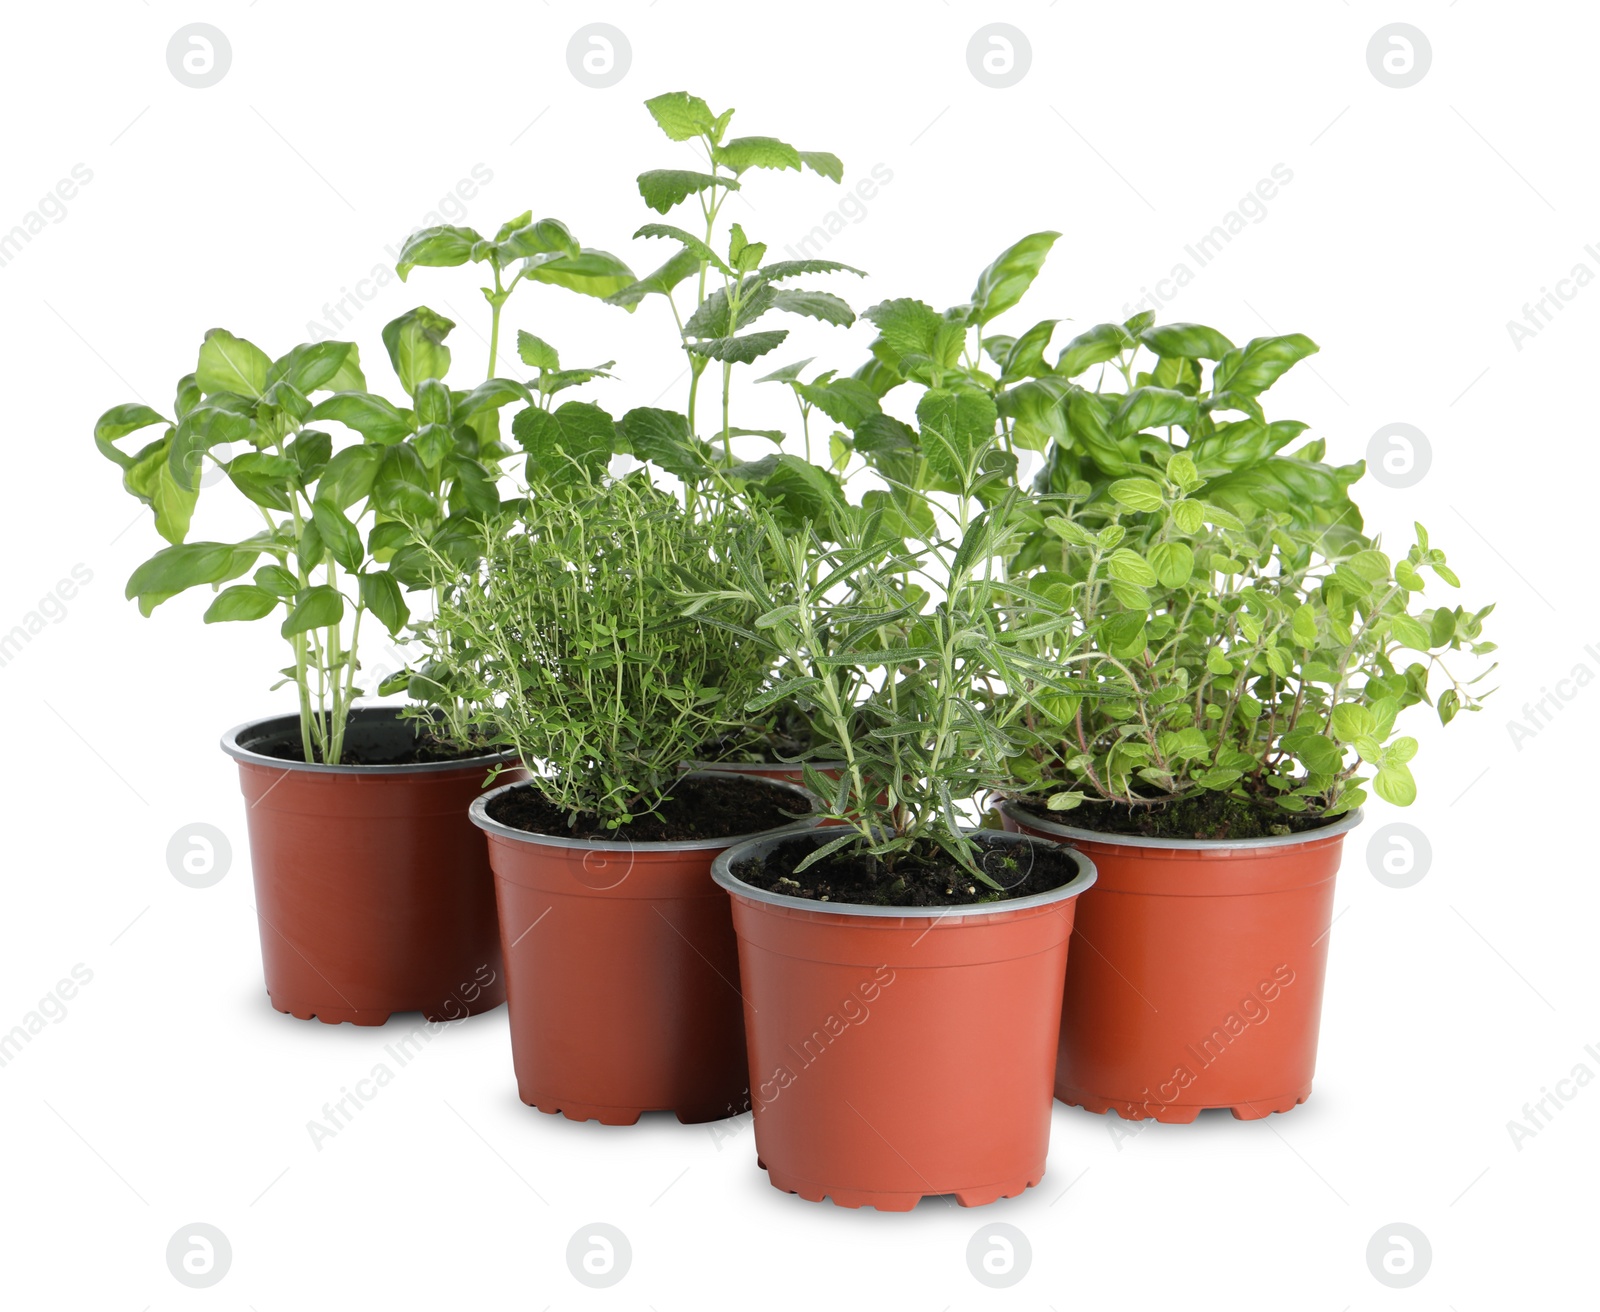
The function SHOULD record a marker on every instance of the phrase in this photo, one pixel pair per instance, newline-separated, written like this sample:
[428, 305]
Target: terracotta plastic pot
[898, 1052]
[373, 890]
[1198, 978]
[622, 973]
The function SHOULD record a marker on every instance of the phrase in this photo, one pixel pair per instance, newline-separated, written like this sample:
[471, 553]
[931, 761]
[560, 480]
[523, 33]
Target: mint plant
[734, 287]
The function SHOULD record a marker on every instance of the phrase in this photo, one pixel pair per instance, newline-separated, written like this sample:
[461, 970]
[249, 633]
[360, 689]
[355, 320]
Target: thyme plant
[569, 642]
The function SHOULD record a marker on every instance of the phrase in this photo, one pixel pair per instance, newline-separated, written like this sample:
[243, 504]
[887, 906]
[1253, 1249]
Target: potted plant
[373, 890]
[569, 643]
[945, 942]
[1255, 660]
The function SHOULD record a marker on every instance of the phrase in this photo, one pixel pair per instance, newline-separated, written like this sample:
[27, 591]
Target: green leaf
[1137, 493]
[955, 424]
[661, 282]
[320, 607]
[1410, 632]
[231, 364]
[277, 581]
[664, 188]
[681, 116]
[1025, 358]
[820, 161]
[817, 305]
[374, 418]
[267, 480]
[1130, 567]
[440, 247]
[1153, 407]
[1395, 784]
[415, 342]
[1304, 625]
[173, 505]
[242, 602]
[591, 273]
[756, 153]
[662, 438]
[174, 569]
[1259, 363]
[338, 533]
[349, 476]
[910, 327]
[1188, 515]
[1189, 341]
[778, 270]
[1173, 563]
[703, 253]
[584, 433]
[1351, 720]
[520, 239]
[739, 350]
[535, 352]
[1103, 342]
[1004, 282]
[491, 395]
[381, 595]
[117, 423]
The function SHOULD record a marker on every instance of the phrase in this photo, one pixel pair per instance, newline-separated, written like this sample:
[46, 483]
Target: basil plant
[349, 529]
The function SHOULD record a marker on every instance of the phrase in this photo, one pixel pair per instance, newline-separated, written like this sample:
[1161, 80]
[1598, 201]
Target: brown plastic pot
[373, 891]
[901, 1052]
[1198, 978]
[622, 973]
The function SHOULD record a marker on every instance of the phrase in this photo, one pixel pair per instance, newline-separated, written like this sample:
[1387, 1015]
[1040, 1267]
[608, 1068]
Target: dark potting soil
[1210, 815]
[422, 750]
[722, 807]
[927, 876]
[776, 748]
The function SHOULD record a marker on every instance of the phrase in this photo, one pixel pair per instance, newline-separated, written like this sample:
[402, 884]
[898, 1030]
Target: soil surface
[775, 748]
[725, 806]
[925, 877]
[1210, 815]
[423, 750]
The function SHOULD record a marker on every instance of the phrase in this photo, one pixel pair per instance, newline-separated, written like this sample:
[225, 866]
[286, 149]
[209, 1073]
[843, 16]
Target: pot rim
[744, 767]
[1009, 808]
[479, 814]
[1086, 876]
[246, 756]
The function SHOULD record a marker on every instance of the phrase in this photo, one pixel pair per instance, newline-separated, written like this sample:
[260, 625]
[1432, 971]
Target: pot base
[977, 1196]
[1177, 1113]
[579, 1111]
[488, 1000]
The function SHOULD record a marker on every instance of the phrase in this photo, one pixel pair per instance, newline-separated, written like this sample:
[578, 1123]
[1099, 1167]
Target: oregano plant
[1257, 668]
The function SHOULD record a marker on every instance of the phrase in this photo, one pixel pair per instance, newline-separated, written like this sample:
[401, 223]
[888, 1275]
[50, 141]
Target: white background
[1418, 222]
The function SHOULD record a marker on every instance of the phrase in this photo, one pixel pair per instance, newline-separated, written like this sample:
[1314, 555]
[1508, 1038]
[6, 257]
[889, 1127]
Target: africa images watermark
[1541, 713]
[52, 609]
[51, 1009]
[339, 314]
[1252, 1012]
[1252, 208]
[1540, 1114]
[338, 1114]
[852, 209]
[1539, 314]
[51, 209]
[851, 1013]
